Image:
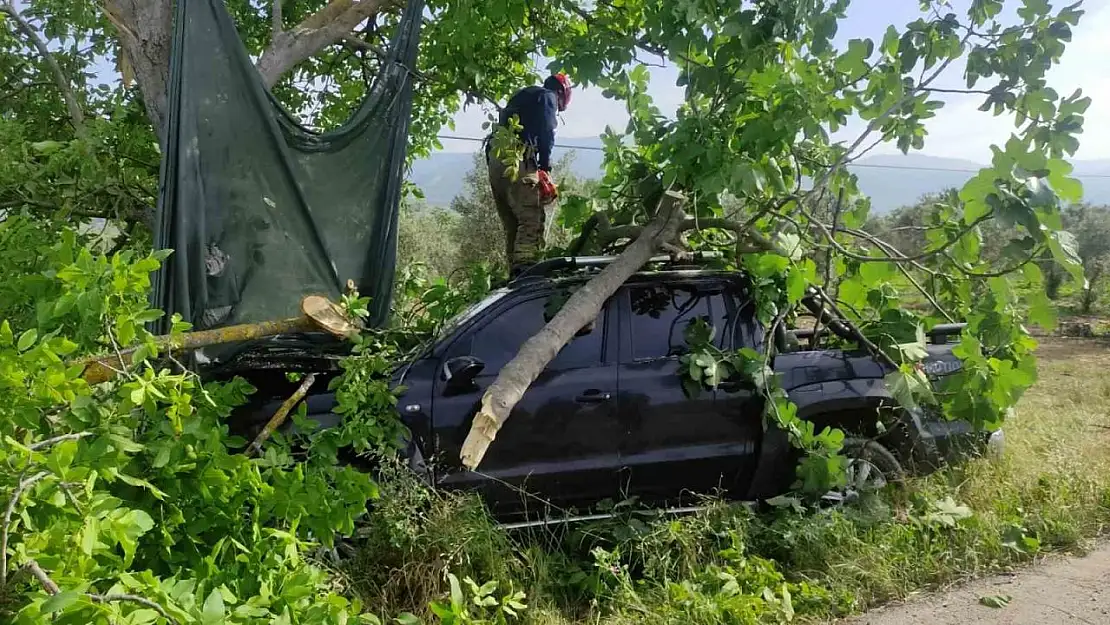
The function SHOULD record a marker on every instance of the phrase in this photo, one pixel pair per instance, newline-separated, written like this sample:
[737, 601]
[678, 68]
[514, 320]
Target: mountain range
[891, 181]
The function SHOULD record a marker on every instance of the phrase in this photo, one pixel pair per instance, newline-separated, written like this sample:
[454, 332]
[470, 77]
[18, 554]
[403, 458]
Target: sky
[957, 131]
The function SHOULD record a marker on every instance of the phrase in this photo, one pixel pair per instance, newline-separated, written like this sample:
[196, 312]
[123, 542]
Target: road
[1059, 591]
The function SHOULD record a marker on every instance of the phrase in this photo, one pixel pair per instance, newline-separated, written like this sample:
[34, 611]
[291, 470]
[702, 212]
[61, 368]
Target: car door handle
[593, 396]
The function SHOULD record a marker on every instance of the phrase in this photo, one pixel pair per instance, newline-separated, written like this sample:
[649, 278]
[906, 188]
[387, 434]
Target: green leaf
[1065, 250]
[27, 340]
[458, 600]
[1042, 311]
[137, 522]
[47, 147]
[407, 618]
[1068, 189]
[790, 244]
[995, 601]
[874, 273]
[89, 534]
[796, 284]
[691, 387]
[6, 337]
[60, 601]
[213, 611]
[149, 315]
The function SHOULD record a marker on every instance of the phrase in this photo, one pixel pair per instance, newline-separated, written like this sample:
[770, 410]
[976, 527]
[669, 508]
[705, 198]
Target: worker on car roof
[522, 201]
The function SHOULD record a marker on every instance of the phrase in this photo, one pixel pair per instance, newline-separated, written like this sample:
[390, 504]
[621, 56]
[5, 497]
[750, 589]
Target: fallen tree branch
[319, 313]
[60, 79]
[876, 353]
[582, 307]
[281, 415]
[19, 490]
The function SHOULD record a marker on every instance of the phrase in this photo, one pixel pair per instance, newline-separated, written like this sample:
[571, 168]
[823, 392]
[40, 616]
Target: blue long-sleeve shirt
[537, 109]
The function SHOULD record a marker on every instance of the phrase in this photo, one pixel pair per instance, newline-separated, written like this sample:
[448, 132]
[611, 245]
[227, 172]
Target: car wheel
[871, 467]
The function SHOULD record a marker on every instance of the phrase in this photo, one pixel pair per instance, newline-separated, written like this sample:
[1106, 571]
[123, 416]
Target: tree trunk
[145, 30]
[581, 308]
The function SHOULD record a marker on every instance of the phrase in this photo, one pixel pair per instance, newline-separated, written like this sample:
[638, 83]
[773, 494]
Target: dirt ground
[1061, 591]
[1063, 348]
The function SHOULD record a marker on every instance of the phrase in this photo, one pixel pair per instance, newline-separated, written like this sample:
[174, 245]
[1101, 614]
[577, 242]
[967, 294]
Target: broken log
[318, 313]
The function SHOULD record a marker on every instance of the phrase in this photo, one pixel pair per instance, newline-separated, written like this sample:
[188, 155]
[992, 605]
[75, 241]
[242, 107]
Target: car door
[559, 445]
[674, 446]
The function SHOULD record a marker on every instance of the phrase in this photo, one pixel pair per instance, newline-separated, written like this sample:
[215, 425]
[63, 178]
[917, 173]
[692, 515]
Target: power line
[860, 165]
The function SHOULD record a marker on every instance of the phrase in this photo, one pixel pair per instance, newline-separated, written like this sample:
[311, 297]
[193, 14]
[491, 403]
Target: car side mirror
[459, 372]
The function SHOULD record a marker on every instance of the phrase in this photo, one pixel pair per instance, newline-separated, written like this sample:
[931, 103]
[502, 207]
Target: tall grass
[1049, 492]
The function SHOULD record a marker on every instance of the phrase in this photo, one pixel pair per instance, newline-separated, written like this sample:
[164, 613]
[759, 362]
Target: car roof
[640, 277]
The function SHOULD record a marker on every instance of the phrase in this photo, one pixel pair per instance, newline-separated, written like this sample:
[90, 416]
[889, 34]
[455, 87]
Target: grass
[1049, 492]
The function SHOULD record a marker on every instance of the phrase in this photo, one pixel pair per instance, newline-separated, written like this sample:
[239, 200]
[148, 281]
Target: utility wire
[859, 165]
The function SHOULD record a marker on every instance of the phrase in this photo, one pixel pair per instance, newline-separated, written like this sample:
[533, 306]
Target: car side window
[661, 312]
[498, 341]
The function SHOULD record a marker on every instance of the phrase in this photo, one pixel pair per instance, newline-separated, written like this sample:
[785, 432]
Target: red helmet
[560, 84]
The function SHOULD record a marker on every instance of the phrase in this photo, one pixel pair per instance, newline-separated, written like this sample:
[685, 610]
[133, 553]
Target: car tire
[875, 453]
[871, 467]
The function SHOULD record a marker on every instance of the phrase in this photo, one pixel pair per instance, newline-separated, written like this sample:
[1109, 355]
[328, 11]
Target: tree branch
[52, 588]
[19, 489]
[328, 25]
[960, 91]
[58, 439]
[76, 116]
[44, 579]
[281, 415]
[23, 86]
[893, 251]
[825, 300]
[276, 28]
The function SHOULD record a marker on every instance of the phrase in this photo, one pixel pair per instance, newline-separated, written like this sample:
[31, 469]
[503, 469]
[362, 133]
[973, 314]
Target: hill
[891, 180]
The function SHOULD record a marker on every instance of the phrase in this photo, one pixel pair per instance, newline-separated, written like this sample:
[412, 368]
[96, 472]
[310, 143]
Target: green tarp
[260, 210]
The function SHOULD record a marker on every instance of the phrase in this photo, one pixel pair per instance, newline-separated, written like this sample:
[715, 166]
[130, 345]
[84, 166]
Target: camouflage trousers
[521, 209]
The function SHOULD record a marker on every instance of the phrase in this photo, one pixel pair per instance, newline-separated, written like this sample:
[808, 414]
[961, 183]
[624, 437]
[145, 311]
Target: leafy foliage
[133, 495]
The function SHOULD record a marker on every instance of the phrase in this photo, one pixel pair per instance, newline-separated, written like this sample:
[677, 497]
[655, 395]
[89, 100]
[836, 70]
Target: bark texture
[145, 30]
[330, 24]
[582, 307]
[319, 313]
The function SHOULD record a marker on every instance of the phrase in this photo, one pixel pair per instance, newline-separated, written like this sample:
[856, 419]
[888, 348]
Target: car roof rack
[545, 268]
